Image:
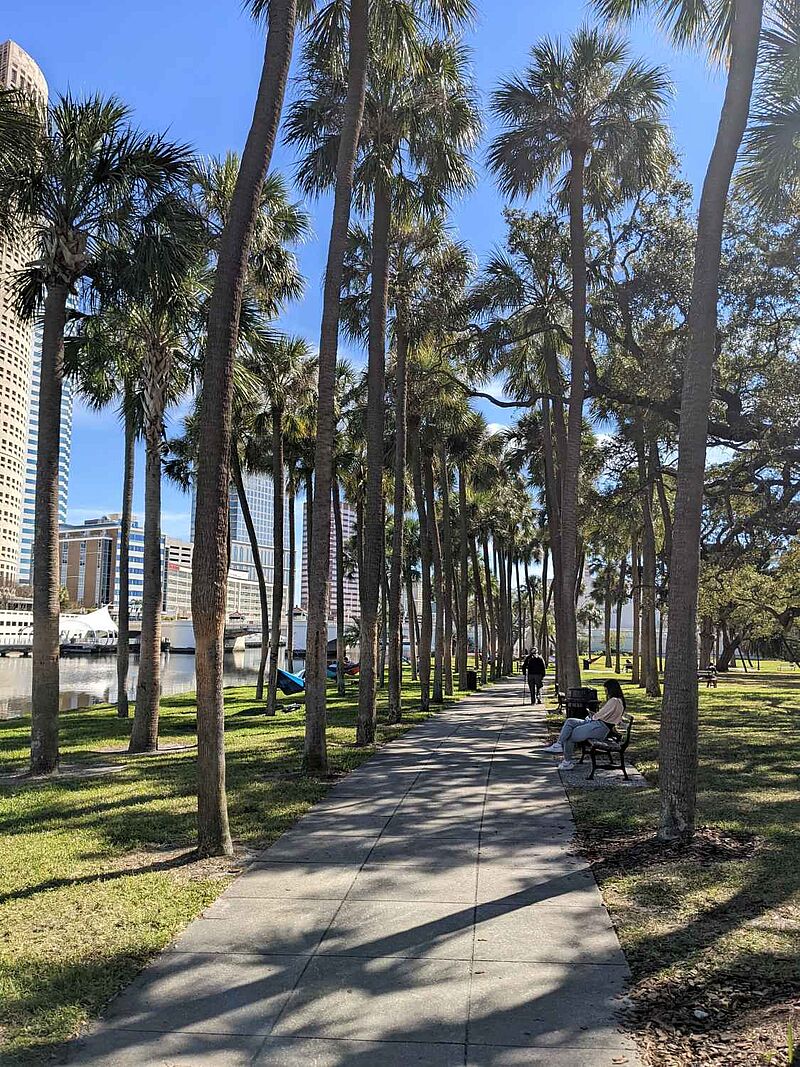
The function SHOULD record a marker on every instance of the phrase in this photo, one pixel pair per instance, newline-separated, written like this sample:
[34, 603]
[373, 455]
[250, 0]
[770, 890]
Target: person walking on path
[594, 727]
[533, 667]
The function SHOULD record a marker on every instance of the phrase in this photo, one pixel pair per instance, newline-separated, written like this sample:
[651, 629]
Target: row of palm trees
[387, 119]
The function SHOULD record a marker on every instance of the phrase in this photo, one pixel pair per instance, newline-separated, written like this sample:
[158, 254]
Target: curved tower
[17, 71]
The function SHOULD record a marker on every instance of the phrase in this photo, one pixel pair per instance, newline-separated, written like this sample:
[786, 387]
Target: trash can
[472, 679]
[581, 700]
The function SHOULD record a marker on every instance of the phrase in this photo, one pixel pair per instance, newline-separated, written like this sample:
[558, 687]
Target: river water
[87, 680]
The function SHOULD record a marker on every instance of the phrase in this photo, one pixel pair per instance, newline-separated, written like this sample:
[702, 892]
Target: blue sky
[192, 66]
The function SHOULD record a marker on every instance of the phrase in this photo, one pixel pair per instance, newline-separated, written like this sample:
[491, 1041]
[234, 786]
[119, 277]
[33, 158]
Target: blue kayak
[289, 684]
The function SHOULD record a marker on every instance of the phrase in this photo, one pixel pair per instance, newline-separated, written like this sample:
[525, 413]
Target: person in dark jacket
[533, 667]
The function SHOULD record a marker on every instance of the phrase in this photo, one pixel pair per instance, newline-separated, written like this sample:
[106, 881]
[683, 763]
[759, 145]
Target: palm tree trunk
[277, 554]
[706, 641]
[255, 550]
[636, 579]
[438, 584]
[521, 622]
[649, 642]
[678, 733]
[620, 605]
[425, 633]
[481, 602]
[447, 571]
[412, 624]
[373, 510]
[210, 562]
[544, 634]
[45, 674]
[395, 710]
[292, 569]
[384, 627]
[339, 534]
[144, 733]
[553, 506]
[530, 589]
[607, 606]
[500, 571]
[123, 604]
[463, 549]
[493, 632]
[571, 472]
[315, 752]
[508, 658]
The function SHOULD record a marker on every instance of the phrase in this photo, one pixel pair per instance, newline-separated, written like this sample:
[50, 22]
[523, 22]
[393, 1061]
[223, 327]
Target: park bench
[709, 676]
[615, 744]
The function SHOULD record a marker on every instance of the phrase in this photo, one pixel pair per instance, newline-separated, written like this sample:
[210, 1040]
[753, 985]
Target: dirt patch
[182, 864]
[618, 854]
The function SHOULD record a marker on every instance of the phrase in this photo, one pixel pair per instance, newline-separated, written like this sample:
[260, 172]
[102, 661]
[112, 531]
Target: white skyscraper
[17, 71]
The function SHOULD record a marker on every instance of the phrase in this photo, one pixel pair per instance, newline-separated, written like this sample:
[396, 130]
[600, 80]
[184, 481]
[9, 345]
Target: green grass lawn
[712, 932]
[97, 874]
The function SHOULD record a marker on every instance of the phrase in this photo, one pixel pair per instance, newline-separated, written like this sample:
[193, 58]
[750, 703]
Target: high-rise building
[243, 597]
[17, 71]
[65, 448]
[352, 604]
[89, 562]
[177, 582]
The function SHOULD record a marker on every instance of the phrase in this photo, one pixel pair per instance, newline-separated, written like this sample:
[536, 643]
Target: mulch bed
[611, 855]
[701, 1015]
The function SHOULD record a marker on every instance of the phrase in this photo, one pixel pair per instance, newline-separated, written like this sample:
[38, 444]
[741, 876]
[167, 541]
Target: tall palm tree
[427, 274]
[210, 561]
[586, 119]
[286, 372]
[158, 290]
[102, 358]
[731, 30]
[272, 279]
[342, 146]
[320, 123]
[82, 190]
[420, 123]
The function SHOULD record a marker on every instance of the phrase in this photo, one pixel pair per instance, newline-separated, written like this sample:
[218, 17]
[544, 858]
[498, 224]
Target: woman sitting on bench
[594, 727]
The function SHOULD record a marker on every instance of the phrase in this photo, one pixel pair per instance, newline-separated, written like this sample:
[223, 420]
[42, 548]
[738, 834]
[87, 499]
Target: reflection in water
[87, 680]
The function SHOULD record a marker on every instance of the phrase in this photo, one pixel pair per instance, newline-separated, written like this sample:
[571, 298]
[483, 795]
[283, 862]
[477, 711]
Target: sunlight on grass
[97, 874]
[715, 928]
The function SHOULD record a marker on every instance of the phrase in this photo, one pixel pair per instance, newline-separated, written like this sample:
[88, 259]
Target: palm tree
[730, 29]
[772, 159]
[273, 278]
[210, 561]
[102, 357]
[420, 123]
[81, 191]
[342, 145]
[157, 279]
[317, 125]
[587, 119]
[286, 370]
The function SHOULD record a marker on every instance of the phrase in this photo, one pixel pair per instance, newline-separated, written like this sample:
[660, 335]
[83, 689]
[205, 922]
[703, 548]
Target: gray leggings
[575, 730]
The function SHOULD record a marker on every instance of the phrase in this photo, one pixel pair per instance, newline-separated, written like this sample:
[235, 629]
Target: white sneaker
[555, 747]
[566, 764]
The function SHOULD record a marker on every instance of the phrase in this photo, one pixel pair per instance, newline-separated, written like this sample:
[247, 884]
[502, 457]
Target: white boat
[95, 628]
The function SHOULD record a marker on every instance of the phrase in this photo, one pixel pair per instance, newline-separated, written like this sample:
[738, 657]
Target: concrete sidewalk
[429, 911]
